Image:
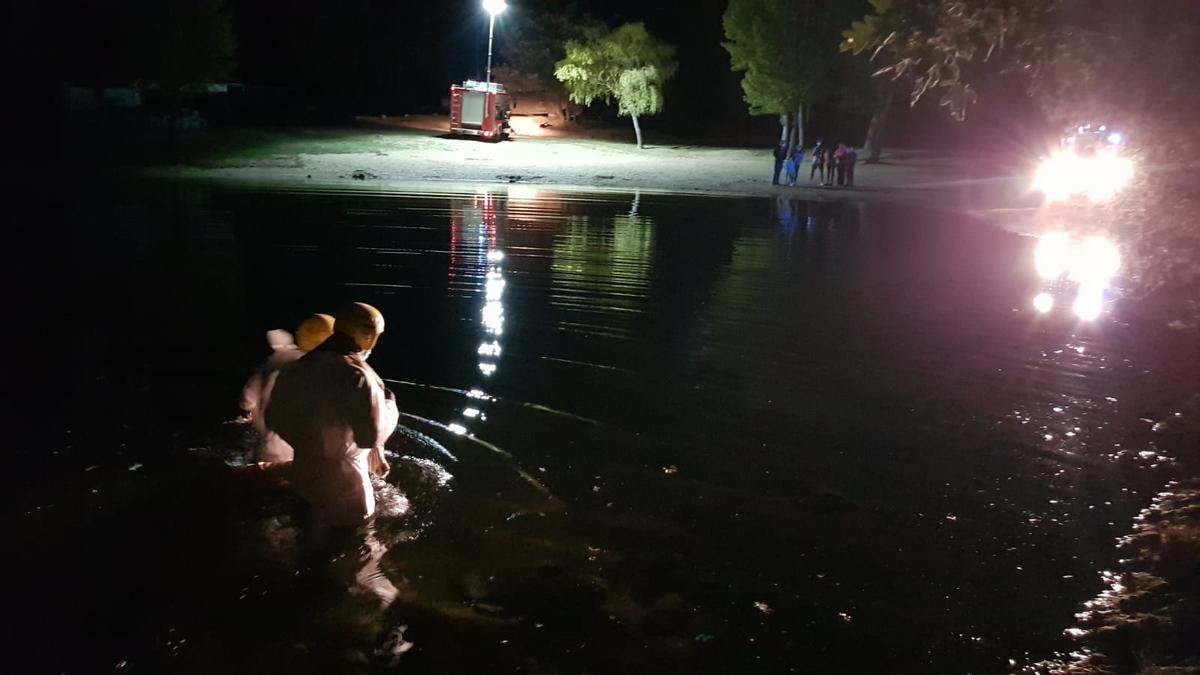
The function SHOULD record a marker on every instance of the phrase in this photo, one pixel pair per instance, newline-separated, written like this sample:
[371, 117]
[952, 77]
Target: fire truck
[480, 109]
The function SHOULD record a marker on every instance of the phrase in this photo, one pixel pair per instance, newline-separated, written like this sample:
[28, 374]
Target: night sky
[447, 42]
[366, 57]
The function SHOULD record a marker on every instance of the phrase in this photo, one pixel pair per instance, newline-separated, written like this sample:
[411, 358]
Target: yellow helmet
[361, 322]
[313, 331]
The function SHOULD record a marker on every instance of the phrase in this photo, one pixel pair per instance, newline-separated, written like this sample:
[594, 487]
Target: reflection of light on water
[1095, 262]
[493, 287]
[1052, 255]
[1090, 265]
[486, 207]
[493, 317]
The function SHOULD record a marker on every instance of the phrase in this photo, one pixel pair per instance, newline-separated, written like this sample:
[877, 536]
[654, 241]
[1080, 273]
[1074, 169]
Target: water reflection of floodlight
[495, 256]
[1043, 302]
[493, 316]
[493, 288]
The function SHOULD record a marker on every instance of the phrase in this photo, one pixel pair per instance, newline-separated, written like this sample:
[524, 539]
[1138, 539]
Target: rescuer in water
[335, 411]
[257, 393]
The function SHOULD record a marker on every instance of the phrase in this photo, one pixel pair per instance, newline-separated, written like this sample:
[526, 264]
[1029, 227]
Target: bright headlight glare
[1096, 262]
[1089, 303]
[1052, 255]
[1043, 302]
[1099, 176]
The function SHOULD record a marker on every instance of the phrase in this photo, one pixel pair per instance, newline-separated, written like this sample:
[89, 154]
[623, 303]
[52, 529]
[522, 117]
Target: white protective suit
[335, 411]
[257, 394]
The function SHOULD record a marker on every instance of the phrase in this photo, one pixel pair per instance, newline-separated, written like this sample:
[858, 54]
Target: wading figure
[336, 413]
[257, 393]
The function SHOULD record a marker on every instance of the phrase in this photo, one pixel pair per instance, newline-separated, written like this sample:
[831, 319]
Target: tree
[788, 50]
[169, 43]
[532, 44]
[627, 65]
[921, 46]
[183, 42]
[161, 45]
[187, 42]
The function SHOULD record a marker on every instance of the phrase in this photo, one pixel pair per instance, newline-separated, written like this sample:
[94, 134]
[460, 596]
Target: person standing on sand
[780, 156]
[794, 163]
[818, 163]
[830, 165]
[851, 159]
[839, 163]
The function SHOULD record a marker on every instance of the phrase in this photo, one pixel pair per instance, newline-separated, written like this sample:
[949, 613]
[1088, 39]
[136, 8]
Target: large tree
[529, 47]
[788, 50]
[533, 39]
[161, 45]
[186, 42]
[919, 47]
[165, 43]
[626, 65]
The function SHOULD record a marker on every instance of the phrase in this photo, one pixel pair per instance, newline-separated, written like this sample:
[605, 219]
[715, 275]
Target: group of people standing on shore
[832, 165]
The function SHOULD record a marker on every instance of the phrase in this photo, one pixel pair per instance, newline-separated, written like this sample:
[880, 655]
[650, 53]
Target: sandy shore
[389, 155]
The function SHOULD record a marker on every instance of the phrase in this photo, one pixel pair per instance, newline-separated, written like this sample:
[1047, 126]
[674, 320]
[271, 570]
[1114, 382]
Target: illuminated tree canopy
[626, 65]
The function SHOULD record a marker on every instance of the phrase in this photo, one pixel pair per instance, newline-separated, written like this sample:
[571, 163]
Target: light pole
[492, 7]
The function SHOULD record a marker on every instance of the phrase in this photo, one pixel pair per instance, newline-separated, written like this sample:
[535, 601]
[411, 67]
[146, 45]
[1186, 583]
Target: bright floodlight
[1043, 302]
[1052, 257]
[1066, 173]
[1089, 303]
[494, 7]
[1096, 262]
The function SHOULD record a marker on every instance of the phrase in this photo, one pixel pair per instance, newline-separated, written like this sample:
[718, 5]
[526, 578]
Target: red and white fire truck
[480, 109]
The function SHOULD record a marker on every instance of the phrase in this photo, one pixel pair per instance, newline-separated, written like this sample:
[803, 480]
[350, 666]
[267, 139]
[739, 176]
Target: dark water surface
[646, 434]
